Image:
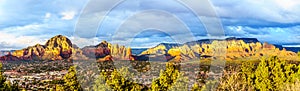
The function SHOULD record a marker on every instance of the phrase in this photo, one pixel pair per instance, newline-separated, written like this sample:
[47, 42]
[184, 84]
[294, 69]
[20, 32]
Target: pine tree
[166, 78]
[70, 79]
[2, 79]
[270, 74]
[100, 83]
[262, 81]
[5, 85]
[119, 80]
[181, 84]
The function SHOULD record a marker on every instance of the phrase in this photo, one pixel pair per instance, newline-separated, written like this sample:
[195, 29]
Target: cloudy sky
[146, 23]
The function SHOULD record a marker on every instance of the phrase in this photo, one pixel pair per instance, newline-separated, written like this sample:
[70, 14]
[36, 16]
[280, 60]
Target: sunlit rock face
[160, 48]
[61, 48]
[235, 48]
[107, 51]
[57, 48]
[120, 52]
[99, 51]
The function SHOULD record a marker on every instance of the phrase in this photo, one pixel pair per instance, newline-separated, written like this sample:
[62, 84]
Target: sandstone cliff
[233, 48]
[57, 48]
[107, 51]
[61, 48]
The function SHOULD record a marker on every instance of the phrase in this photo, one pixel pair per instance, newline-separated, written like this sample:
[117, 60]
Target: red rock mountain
[99, 51]
[57, 48]
[106, 51]
[9, 57]
[232, 49]
[61, 48]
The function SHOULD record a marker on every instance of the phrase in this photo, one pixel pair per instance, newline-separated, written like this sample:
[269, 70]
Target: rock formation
[234, 48]
[105, 51]
[57, 48]
[9, 57]
[99, 51]
[120, 52]
[61, 48]
[160, 49]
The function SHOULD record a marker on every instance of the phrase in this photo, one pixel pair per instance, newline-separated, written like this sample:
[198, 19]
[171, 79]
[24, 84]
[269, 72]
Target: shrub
[269, 74]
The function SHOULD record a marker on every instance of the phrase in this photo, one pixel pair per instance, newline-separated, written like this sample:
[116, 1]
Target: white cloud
[47, 15]
[81, 42]
[68, 15]
[157, 20]
[287, 4]
[12, 42]
[239, 28]
[274, 35]
[18, 37]
[281, 11]
[278, 11]
[23, 28]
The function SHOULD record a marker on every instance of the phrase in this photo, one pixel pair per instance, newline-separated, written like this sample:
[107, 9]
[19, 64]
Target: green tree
[117, 81]
[6, 85]
[100, 83]
[262, 81]
[181, 84]
[166, 79]
[2, 79]
[59, 87]
[273, 74]
[71, 82]
[120, 80]
[270, 74]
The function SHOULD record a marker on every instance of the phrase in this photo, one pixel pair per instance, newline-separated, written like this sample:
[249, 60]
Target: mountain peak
[246, 40]
[57, 48]
[103, 44]
[59, 41]
[59, 36]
